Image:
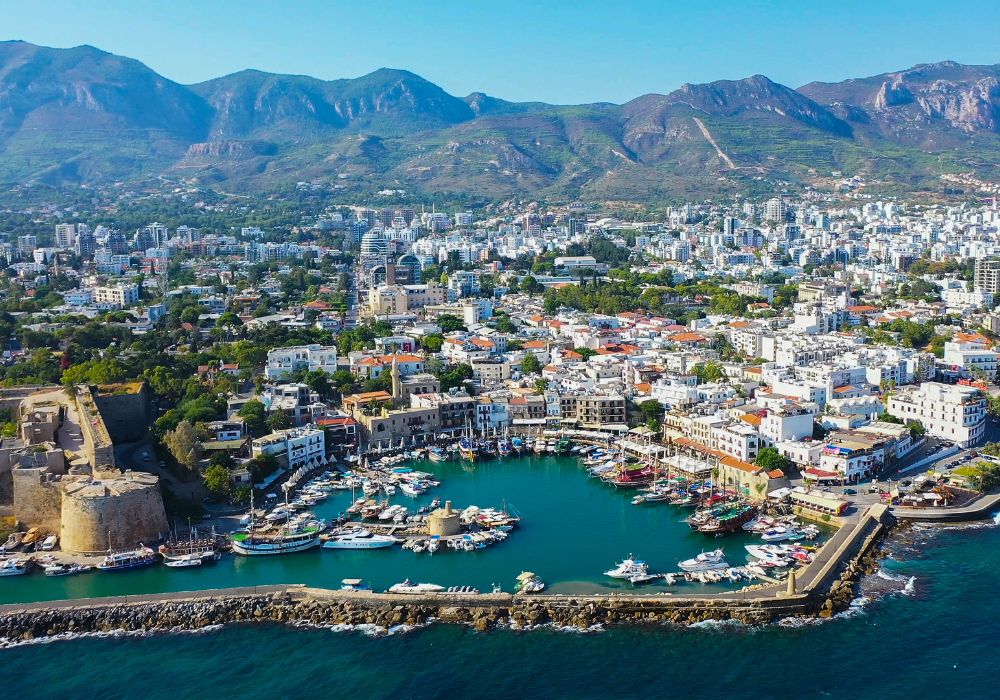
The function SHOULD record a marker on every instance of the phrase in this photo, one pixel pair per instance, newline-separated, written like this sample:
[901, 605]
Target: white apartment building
[283, 361]
[296, 446]
[972, 357]
[951, 412]
[737, 439]
[117, 297]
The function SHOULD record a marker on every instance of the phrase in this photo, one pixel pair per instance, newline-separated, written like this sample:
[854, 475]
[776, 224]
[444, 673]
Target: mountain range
[85, 116]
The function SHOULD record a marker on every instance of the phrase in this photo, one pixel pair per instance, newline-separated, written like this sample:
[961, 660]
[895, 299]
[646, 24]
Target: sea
[924, 626]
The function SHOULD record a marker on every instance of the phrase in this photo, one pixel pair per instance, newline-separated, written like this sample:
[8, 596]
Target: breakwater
[822, 588]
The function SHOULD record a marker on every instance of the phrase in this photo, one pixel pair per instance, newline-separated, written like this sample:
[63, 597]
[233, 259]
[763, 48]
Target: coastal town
[778, 369]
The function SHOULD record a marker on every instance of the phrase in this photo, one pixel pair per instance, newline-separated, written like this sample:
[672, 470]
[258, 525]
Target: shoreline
[827, 587]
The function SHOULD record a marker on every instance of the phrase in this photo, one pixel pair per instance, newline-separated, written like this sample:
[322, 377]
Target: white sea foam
[111, 634]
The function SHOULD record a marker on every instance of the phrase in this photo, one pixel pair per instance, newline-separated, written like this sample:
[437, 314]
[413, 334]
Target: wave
[6, 643]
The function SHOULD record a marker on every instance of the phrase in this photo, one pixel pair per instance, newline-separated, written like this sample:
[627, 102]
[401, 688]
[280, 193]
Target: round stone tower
[444, 522]
[112, 512]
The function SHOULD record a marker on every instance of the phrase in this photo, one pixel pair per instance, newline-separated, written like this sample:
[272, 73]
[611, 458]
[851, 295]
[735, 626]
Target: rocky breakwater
[326, 608]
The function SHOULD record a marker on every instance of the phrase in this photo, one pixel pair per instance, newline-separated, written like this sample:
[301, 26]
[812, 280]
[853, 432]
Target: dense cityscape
[378, 381]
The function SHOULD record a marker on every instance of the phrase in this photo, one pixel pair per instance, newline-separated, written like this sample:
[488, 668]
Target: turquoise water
[573, 529]
[938, 641]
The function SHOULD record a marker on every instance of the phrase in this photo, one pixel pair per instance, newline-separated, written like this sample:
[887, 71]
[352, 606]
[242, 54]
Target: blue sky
[550, 50]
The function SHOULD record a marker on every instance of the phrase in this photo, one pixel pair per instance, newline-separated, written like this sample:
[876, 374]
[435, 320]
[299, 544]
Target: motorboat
[353, 584]
[436, 454]
[641, 579]
[528, 582]
[706, 561]
[410, 489]
[628, 568]
[410, 588]
[778, 534]
[13, 567]
[359, 539]
[433, 544]
[186, 561]
[65, 569]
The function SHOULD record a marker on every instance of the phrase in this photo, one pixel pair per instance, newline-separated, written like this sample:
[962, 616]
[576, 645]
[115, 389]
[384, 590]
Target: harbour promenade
[820, 588]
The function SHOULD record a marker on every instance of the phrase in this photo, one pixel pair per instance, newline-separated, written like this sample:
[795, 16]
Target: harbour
[573, 529]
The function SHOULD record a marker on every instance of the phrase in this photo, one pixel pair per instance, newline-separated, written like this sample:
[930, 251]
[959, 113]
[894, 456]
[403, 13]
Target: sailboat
[504, 445]
[467, 445]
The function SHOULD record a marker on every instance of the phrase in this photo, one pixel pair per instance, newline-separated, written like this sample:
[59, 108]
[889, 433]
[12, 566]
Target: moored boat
[65, 569]
[128, 559]
[359, 539]
[410, 588]
[706, 561]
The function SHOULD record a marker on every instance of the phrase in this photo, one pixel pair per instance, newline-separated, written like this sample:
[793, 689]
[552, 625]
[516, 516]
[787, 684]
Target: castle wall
[126, 415]
[37, 498]
[96, 440]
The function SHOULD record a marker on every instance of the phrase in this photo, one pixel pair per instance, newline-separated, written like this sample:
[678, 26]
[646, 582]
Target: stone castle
[59, 473]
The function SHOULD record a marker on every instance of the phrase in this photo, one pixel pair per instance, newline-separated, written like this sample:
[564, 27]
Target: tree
[505, 325]
[255, 415]
[318, 381]
[183, 444]
[217, 481]
[917, 430]
[709, 373]
[279, 420]
[450, 323]
[651, 410]
[541, 385]
[769, 459]
[654, 425]
[432, 342]
[531, 364]
[531, 286]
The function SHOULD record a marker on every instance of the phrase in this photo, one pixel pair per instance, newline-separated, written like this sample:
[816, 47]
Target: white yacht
[706, 561]
[411, 588]
[628, 568]
[359, 539]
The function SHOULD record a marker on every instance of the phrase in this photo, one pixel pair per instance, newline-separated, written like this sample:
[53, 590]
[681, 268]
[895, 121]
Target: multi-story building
[949, 411]
[987, 276]
[283, 361]
[118, 297]
[294, 447]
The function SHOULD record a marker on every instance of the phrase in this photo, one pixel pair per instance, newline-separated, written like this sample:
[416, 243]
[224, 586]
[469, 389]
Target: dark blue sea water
[930, 631]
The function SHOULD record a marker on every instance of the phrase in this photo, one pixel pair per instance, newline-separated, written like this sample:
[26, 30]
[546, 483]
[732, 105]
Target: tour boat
[359, 539]
[706, 561]
[563, 445]
[128, 559]
[628, 568]
[411, 588]
[436, 454]
[284, 540]
[65, 569]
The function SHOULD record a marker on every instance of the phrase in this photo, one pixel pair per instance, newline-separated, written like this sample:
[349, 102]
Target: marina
[567, 540]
